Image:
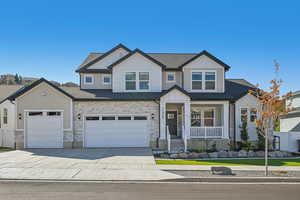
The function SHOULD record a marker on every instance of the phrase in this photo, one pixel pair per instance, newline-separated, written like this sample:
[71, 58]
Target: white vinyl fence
[7, 139]
[288, 141]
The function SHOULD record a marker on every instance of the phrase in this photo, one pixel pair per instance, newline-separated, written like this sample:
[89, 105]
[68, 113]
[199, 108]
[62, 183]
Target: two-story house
[129, 98]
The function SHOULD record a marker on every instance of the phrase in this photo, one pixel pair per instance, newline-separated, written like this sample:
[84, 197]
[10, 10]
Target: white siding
[289, 123]
[288, 141]
[7, 131]
[204, 63]
[248, 101]
[109, 59]
[137, 63]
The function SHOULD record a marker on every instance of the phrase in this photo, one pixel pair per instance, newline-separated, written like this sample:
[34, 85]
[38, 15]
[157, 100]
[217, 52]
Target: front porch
[186, 124]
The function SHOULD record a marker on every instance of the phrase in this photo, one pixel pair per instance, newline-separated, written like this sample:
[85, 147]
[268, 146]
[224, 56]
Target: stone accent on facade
[201, 144]
[117, 107]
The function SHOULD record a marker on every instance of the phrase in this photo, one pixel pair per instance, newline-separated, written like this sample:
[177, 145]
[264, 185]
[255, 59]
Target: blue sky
[51, 38]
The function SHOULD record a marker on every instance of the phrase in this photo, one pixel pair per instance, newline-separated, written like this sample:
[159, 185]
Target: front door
[172, 122]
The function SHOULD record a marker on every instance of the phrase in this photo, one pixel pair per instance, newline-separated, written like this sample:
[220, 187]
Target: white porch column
[187, 119]
[226, 120]
[162, 110]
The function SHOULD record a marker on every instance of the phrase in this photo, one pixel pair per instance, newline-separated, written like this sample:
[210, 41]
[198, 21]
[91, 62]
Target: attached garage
[44, 129]
[116, 131]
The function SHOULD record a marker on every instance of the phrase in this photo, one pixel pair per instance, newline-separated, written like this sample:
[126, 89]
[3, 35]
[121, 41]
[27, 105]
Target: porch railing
[207, 132]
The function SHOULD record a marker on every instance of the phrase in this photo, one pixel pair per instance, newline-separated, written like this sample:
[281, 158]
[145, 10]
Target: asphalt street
[136, 191]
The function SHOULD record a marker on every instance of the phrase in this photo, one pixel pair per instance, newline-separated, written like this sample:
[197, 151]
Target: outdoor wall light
[79, 116]
[152, 116]
[20, 116]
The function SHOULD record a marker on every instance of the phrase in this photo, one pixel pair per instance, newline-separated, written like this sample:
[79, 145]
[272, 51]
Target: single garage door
[116, 131]
[44, 129]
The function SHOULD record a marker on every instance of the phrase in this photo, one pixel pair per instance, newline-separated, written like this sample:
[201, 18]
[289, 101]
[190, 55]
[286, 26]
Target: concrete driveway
[82, 164]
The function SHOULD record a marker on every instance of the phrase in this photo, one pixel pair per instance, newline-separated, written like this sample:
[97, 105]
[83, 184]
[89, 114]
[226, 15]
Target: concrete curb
[179, 180]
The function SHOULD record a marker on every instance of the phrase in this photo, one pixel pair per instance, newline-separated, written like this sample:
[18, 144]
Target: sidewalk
[237, 168]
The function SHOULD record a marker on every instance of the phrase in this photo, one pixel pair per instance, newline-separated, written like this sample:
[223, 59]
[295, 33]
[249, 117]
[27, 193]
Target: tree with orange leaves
[269, 109]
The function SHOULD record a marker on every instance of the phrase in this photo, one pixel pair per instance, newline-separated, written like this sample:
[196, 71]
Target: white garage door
[116, 131]
[44, 130]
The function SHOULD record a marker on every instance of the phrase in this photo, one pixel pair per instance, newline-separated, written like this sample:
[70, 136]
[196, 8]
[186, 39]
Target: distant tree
[70, 84]
[17, 80]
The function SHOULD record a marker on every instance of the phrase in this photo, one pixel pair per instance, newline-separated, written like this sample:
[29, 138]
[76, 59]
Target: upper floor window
[171, 77]
[204, 80]
[134, 81]
[196, 80]
[210, 80]
[253, 114]
[5, 116]
[106, 79]
[144, 80]
[88, 79]
[130, 81]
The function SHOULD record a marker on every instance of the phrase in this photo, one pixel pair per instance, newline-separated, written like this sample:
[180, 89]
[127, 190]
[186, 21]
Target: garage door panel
[44, 132]
[116, 133]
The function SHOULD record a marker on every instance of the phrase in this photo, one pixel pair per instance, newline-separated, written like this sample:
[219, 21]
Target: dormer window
[106, 79]
[203, 80]
[171, 77]
[88, 79]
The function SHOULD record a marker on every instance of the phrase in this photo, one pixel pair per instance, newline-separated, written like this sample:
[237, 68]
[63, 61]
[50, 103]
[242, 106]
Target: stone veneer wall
[202, 144]
[116, 107]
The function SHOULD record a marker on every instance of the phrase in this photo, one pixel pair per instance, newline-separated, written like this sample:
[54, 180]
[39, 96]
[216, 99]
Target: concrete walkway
[82, 164]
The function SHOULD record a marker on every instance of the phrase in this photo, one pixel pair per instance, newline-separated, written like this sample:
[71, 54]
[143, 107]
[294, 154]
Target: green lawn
[259, 162]
[4, 148]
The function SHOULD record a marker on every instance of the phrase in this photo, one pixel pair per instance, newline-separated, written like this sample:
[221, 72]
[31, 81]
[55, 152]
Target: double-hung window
[196, 80]
[210, 80]
[144, 80]
[204, 80]
[130, 81]
[137, 81]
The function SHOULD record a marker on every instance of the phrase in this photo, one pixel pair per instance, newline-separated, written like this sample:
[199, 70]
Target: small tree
[244, 135]
[260, 140]
[268, 107]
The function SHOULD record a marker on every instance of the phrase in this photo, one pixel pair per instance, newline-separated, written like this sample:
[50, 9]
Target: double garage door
[44, 129]
[116, 131]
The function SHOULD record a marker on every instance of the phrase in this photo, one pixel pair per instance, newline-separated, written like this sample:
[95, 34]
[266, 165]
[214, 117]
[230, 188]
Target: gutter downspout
[234, 126]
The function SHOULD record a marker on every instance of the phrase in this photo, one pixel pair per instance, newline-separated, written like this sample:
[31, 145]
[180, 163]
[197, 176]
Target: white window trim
[248, 113]
[88, 75]
[174, 74]
[203, 80]
[202, 110]
[104, 76]
[137, 82]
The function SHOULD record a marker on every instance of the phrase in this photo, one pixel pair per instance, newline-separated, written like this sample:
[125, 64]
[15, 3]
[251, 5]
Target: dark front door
[172, 122]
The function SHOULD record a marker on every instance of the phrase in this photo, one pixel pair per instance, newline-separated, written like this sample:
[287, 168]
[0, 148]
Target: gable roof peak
[95, 60]
[140, 52]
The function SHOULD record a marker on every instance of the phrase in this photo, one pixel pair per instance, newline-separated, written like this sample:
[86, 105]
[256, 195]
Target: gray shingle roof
[235, 88]
[7, 90]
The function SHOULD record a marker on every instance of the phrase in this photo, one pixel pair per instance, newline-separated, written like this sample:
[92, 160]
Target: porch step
[177, 145]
